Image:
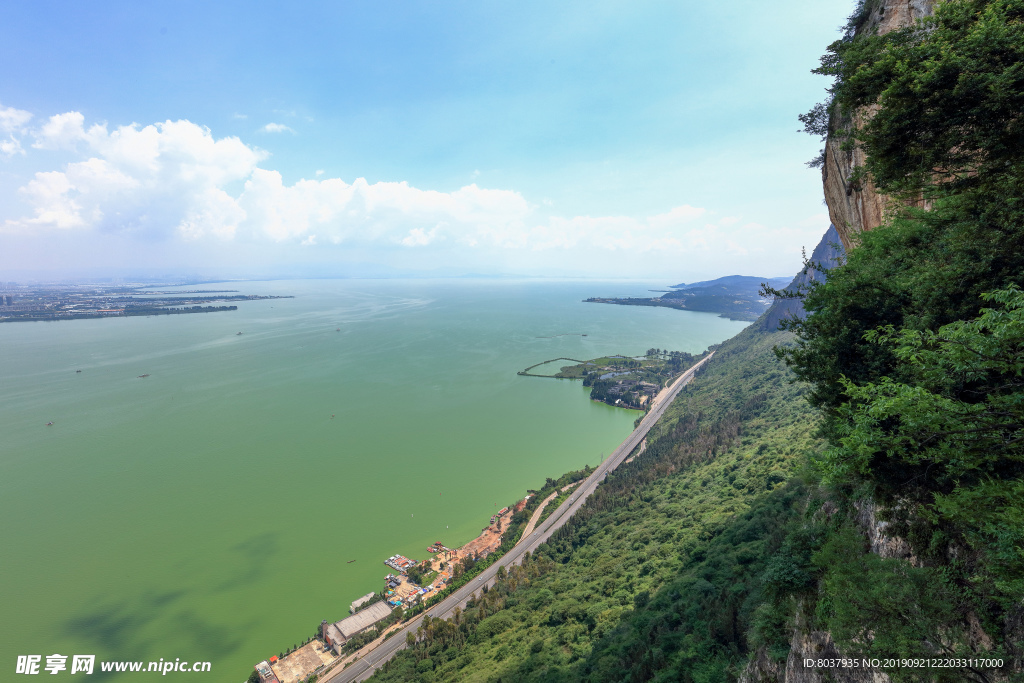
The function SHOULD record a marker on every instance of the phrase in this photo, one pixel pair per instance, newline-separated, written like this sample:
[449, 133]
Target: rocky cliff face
[853, 208]
[829, 253]
[807, 644]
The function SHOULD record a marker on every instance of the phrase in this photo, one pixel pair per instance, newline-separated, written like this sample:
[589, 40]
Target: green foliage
[913, 348]
[955, 422]
[960, 408]
[887, 608]
[950, 93]
[660, 572]
[418, 573]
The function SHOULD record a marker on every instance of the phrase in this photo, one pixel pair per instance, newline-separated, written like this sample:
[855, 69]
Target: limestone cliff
[856, 208]
[829, 253]
[810, 644]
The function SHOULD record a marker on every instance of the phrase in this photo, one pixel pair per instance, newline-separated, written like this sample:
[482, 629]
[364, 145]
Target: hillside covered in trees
[690, 522]
[850, 487]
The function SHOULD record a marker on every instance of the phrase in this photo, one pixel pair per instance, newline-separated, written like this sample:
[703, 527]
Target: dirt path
[643, 447]
[540, 509]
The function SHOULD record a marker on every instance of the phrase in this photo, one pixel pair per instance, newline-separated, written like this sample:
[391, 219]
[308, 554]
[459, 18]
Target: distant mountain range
[733, 296]
[738, 283]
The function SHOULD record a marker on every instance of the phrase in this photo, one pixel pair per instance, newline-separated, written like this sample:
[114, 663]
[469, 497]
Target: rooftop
[363, 620]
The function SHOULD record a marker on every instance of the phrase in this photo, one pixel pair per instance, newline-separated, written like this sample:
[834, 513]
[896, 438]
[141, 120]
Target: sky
[640, 139]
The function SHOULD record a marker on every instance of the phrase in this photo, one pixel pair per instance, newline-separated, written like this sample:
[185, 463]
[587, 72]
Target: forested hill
[739, 547]
[734, 283]
[660, 574]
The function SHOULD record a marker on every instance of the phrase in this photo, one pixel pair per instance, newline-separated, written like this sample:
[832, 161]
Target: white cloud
[154, 181]
[276, 128]
[176, 181]
[418, 237]
[365, 213]
[13, 120]
[50, 192]
[676, 217]
[61, 131]
[170, 179]
[11, 146]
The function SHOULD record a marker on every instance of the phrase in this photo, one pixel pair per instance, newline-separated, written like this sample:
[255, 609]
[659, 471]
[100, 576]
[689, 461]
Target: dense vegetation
[901, 532]
[660, 572]
[913, 349]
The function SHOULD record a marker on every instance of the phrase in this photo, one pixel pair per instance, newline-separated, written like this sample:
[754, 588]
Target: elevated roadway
[365, 667]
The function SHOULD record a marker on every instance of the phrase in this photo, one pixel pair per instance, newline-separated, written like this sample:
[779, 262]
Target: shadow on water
[254, 555]
[160, 625]
[144, 632]
[209, 641]
[117, 631]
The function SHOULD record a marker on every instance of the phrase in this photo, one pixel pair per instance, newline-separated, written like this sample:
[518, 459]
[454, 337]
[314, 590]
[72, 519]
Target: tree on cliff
[912, 348]
[949, 93]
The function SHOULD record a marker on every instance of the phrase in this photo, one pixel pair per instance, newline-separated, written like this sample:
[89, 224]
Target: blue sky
[627, 139]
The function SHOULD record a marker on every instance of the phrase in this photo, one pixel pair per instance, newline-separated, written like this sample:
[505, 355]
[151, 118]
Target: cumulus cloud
[153, 181]
[13, 120]
[12, 124]
[277, 128]
[361, 212]
[11, 146]
[63, 131]
[175, 181]
[419, 237]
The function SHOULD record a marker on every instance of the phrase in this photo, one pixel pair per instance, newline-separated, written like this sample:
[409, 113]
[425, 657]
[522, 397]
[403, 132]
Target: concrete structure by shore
[358, 602]
[337, 634]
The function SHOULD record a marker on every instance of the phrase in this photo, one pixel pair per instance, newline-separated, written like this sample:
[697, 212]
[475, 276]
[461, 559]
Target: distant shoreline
[746, 316]
[45, 304]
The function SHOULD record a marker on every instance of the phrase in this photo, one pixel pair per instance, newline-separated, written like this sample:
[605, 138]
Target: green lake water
[209, 511]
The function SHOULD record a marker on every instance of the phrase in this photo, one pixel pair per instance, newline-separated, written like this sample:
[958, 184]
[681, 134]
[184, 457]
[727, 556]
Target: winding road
[365, 667]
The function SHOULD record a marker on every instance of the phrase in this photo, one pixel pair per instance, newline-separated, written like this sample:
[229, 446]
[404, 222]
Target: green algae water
[251, 485]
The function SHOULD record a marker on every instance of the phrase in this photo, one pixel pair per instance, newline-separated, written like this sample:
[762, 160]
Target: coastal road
[365, 667]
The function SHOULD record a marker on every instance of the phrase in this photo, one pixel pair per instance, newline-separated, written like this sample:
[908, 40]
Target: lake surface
[209, 511]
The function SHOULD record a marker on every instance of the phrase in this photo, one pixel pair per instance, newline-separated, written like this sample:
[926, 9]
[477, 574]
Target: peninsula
[624, 381]
[736, 297]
